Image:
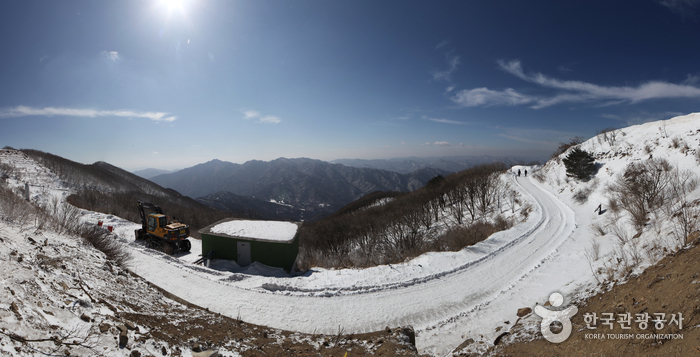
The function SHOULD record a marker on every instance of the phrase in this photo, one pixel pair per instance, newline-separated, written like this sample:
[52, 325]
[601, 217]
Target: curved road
[423, 305]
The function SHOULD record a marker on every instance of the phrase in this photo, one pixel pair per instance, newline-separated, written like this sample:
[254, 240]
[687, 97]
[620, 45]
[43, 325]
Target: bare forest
[448, 214]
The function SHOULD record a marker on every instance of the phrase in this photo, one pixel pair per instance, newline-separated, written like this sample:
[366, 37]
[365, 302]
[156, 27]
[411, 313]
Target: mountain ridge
[313, 185]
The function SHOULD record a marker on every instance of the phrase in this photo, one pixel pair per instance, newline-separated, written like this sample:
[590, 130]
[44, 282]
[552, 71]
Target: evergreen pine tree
[579, 164]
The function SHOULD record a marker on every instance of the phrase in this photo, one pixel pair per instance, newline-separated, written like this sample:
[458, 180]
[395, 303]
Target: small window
[151, 223]
[162, 222]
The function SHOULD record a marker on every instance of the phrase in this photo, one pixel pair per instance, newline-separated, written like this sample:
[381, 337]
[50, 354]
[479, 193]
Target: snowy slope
[447, 297]
[436, 292]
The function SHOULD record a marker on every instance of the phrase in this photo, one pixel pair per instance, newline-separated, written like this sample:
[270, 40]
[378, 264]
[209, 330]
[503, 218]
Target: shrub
[642, 187]
[676, 142]
[105, 242]
[608, 135]
[581, 196]
[579, 164]
[459, 237]
[565, 146]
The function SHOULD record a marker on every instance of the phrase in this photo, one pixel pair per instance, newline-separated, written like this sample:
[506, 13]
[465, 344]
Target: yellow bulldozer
[160, 233]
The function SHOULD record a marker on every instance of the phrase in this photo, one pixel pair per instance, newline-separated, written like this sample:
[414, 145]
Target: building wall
[281, 255]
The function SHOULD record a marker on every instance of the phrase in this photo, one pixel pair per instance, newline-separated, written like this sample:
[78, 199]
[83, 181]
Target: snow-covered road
[431, 301]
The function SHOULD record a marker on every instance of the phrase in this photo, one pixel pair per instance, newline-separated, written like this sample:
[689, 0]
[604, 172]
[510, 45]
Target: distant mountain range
[149, 173]
[447, 163]
[310, 187]
[255, 208]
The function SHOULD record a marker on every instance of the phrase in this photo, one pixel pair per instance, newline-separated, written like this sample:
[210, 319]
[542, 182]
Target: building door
[243, 249]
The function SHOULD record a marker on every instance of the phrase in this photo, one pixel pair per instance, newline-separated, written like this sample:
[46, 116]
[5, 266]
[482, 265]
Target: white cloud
[683, 8]
[545, 137]
[484, 96]
[270, 119]
[111, 55]
[438, 143]
[442, 143]
[255, 115]
[446, 75]
[692, 80]
[587, 91]
[446, 121]
[571, 91]
[251, 114]
[23, 111]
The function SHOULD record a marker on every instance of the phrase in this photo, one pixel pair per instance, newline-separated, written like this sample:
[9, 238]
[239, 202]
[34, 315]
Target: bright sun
[174, 4]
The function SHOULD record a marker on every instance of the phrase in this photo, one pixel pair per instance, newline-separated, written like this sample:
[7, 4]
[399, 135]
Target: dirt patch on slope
[671, 287]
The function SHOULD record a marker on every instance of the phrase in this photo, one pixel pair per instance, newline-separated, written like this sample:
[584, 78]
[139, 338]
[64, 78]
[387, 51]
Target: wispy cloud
[440, 143]
[543, 137]
[445, 121]
[570, 91]
[442, 44]
[682, 8]
[641, 117]
[251, 114]
[446, 75]
[484, 96]
[23, 111]
[270, 119]
[256, 116]
[111, 55]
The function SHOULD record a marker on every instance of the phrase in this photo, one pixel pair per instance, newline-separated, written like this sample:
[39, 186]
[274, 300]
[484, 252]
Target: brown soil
[672, 286]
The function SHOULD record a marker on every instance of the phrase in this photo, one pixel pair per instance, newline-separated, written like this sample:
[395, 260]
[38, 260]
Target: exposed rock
[408, 331]
[122, 328]
[197, 347]
[498, 339]
[14, 307]
[85, 317]
[387, 329]
[135, 353]
[130, 325]
[123, 338]
[524, 311]
[104, 328]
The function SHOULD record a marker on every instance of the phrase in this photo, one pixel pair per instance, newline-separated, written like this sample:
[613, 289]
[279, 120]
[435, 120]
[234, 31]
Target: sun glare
[174, 5]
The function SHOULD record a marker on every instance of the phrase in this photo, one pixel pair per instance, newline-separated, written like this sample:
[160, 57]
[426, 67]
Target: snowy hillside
[59, 296]
[466, 298]
[672, 146]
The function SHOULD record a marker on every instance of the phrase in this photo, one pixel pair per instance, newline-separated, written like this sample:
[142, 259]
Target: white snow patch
[264, 230]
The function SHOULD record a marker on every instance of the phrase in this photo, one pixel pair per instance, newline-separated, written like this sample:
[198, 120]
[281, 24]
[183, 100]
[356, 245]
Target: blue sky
[169, 84]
